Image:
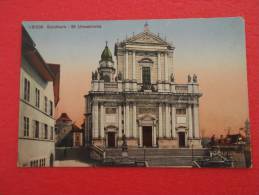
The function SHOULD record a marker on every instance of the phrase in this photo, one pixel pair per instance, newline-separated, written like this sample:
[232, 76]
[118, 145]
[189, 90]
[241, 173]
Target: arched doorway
[51, 160]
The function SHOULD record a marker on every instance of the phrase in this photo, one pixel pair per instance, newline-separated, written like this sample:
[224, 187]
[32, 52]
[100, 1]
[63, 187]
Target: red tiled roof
[64, 117]
[55, 68]
[49, 72]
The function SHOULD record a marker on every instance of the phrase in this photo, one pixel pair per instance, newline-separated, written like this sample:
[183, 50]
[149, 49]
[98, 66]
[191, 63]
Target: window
[51, 108]
[181, 111]
[26, 92]
[52, 133]
[37, 93]
[36, 129]
[45, 131]
[46, 104]
[146, 75]
[110, 110]
[77, 142]
[26, 126]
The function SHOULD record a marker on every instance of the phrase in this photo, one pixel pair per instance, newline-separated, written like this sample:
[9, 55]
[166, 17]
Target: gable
[148, 38]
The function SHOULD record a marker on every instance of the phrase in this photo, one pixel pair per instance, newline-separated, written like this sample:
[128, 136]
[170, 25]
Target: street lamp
[144, 153]
[192, 149]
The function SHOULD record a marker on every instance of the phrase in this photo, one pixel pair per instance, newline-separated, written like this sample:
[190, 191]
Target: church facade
[137, 96]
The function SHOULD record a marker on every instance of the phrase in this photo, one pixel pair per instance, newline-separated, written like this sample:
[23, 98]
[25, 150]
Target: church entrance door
[111, 139]
[147, 136]
[181, 136]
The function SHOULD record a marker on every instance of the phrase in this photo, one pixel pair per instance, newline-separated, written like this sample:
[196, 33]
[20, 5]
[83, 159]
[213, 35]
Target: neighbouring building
[138, 96]
[67, 133]
[77, 136]
[63, 130]
[39, 95]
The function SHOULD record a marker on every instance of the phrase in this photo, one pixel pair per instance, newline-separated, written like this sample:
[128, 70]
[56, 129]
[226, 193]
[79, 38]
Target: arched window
[146, 65]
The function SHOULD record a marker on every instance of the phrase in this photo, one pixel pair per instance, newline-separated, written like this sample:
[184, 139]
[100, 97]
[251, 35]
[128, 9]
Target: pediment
[147, 117]
[147, 38]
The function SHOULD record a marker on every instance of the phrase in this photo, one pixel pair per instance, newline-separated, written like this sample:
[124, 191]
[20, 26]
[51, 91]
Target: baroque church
[136, 97]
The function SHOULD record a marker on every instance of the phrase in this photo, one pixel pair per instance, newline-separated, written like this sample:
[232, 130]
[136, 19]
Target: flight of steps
[160, 157]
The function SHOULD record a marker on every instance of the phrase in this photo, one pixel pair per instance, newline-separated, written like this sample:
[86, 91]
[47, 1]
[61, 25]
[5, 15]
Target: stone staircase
[160, 157]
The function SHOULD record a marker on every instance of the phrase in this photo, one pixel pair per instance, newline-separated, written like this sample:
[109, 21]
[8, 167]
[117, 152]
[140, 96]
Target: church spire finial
[146, 27]
[106, 43]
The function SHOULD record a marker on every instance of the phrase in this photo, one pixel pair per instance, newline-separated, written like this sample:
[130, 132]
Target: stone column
[102, 121]
[126, 64]
[196, 121]
[190, 121]
[134, 126]
[95, 120]
[140, 136]
[154, 135]
[158, 67]
[119, 121]
[166, 68]
[133, 65]
[160, 121]
[173, 122]
[127, 120]
[167, 121]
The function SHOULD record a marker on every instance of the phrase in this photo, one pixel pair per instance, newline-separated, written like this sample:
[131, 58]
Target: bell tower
[106, 68]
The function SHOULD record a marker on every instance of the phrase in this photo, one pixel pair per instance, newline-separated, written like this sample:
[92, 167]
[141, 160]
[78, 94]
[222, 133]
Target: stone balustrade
[131, 86]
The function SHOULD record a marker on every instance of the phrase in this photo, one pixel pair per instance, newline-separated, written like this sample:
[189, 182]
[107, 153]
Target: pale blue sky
[214, 49]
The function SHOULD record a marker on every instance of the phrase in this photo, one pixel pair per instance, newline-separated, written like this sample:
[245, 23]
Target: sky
[213, 49]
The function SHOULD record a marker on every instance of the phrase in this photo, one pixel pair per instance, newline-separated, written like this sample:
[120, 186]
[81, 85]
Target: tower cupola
[106, 68]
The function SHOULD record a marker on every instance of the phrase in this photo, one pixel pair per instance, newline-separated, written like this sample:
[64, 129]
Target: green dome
[106, 54]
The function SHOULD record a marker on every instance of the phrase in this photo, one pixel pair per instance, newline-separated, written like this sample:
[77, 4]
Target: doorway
[181, 136]
[111, 139]
[147, 136]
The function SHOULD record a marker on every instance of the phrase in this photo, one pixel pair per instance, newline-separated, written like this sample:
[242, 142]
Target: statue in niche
[153, 88]
[101, 76]
[195, 79]
[124, 143]
[189, 78]
[172, 77]
[93, 76]
[119, 76]
[96, 75]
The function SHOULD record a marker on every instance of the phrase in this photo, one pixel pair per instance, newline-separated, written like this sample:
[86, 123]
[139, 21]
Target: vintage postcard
[134, 93]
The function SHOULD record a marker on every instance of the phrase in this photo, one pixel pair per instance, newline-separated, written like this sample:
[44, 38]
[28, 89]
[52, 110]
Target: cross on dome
[146, 27]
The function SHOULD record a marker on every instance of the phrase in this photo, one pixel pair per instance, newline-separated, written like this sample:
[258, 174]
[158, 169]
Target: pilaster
[102, 121]
[160, 121]
[190, 121]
